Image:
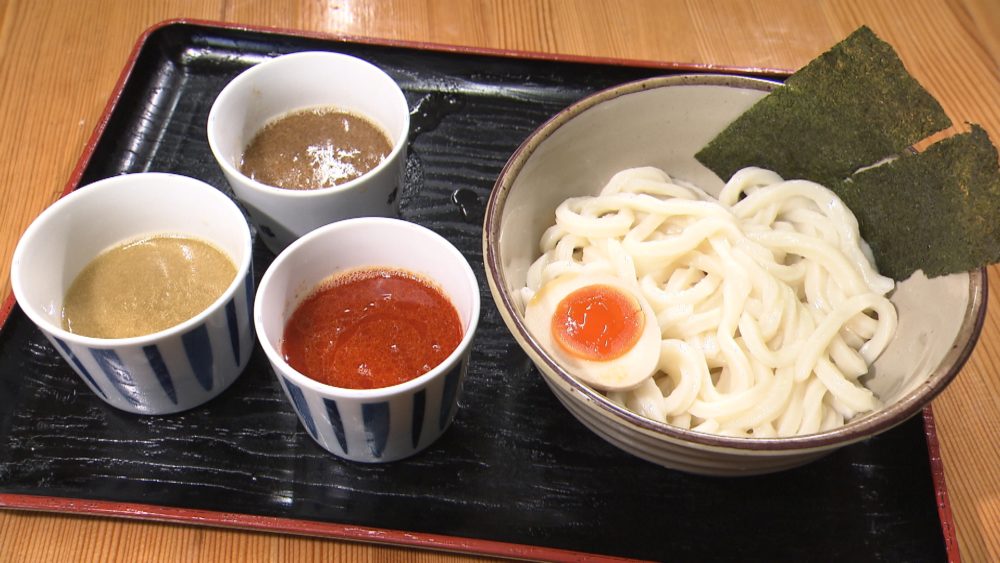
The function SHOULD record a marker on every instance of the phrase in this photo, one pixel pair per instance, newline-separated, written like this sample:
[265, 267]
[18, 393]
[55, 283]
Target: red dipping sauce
[371, 328]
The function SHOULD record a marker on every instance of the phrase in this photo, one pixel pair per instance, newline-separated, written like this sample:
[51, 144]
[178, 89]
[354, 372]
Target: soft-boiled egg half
[598, 328]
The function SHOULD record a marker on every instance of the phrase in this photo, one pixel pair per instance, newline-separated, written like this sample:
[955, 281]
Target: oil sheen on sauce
[314, 148]
[145, 285]
[371, 328]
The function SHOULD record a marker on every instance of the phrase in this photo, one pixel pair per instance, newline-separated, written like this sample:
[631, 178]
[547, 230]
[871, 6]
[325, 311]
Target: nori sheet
[837, 119]
[938, 210]
[852, 106]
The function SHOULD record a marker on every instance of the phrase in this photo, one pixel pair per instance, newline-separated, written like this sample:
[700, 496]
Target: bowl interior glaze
[663, 122]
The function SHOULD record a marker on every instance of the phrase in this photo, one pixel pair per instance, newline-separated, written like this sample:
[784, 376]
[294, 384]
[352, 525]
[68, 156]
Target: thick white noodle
[768, 304]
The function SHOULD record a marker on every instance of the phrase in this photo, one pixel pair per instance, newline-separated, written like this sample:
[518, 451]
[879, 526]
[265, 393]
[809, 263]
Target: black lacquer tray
[515, 475]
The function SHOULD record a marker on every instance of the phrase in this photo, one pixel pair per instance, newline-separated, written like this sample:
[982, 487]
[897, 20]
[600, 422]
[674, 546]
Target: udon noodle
[767, 299]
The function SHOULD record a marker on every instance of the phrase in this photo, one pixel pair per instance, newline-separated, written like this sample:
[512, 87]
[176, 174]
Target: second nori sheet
[946, 223]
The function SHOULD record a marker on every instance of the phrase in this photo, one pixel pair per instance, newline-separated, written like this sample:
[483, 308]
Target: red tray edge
[948, 528]
[310, 528]
[360, 533]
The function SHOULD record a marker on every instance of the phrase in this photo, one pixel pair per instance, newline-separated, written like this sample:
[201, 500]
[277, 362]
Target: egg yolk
[597, 323]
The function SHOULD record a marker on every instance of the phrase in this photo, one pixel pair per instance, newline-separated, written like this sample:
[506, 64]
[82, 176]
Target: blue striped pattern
[302, 406]
[154, 378]
[232, 320]
[248, 288]
[156, 362]
[377, 424]
[198, 347]
[234, 333]
[451, 382]
[119, 376]
[389, 429]
[419, 402]
[80, 367]
[333, 413]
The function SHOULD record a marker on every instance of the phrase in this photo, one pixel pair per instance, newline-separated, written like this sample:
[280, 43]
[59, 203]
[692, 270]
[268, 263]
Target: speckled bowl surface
[663, 122]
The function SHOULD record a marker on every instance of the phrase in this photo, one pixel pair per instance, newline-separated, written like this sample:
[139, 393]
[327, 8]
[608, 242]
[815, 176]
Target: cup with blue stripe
[381, 424]
[167, 371]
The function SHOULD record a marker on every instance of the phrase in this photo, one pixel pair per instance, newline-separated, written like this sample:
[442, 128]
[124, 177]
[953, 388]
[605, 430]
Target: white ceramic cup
[168, 371]
[287, 83]
[369, 425]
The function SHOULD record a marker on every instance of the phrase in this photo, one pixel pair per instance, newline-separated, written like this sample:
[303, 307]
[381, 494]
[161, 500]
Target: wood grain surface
[60, 60]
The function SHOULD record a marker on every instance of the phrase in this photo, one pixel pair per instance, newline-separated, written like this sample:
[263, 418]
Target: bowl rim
[863, 427]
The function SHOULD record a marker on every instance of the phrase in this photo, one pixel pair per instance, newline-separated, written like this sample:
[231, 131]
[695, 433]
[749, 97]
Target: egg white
[618, 374]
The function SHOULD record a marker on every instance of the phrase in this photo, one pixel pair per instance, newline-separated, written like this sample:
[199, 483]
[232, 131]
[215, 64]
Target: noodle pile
[767, 300]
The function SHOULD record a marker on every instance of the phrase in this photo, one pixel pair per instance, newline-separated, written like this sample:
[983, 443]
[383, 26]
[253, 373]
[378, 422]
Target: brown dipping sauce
[371, 328]
[145, 286]
[315, 148]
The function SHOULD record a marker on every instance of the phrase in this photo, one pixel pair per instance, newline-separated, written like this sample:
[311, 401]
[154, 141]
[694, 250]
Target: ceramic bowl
[369, 425]
[167, 371]
[297, 81]
[663, 122]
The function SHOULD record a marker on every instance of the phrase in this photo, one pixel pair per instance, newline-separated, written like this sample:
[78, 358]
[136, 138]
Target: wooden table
[59, 60]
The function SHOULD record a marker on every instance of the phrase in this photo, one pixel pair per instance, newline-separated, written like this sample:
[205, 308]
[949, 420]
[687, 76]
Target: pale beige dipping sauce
[145, 286]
